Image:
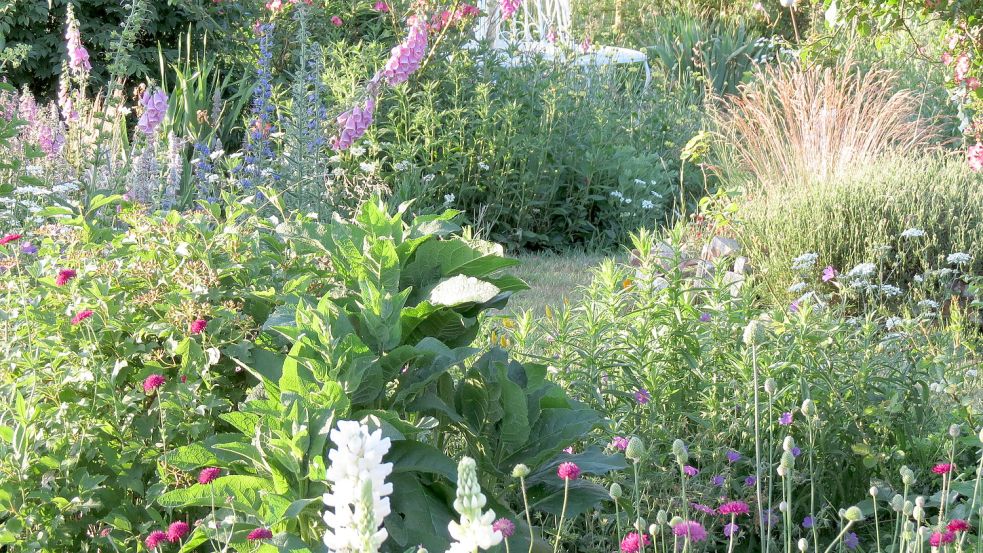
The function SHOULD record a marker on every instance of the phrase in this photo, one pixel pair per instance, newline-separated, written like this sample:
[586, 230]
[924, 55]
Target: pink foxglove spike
[406, 57]
[154, 109]
[509, 7]
[352, 124]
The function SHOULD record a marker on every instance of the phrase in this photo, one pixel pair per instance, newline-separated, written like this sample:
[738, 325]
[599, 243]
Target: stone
[734, 281]
[722, 247]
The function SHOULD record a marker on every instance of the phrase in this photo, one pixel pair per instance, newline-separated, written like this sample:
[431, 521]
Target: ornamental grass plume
[802, 122]
[405, 57]
[358, 501]
[476, 529]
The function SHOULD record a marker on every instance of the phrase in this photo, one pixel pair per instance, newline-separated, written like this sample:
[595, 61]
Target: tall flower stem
[525, 504]
[812, 485]
[839, 537]
[730, 538]
[563, 513]
[877, 526]
[972, 504]
[757, 445]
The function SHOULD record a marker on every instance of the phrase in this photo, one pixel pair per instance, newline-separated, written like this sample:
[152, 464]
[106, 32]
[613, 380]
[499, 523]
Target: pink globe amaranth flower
[153, 382]
[155, 539]
[505, 526]
[405, 57]
[381, 6]
[197, 326]
[208, 474]
[353, 124]
[81, 316]
[642, 396]
[972, 83]
[692, 529]
[632, 543]
[177, 530]
[957, 525]
[690, 471]
[620, 443]
[734, 508]
[829, 273]
[974, 157]
[64, 276]
[337, 21]
[941, 538]
[154, 109]
[509, 7]
[568, 471]
[943, 468]
[10, 238]
[260, 534]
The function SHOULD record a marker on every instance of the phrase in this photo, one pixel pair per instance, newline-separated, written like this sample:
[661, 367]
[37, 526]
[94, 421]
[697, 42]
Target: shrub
[803, 122]
[861, 215]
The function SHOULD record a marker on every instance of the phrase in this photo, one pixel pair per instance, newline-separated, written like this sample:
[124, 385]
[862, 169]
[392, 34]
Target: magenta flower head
[197, 326]
[620, 443]
[734, 508]
[153, 382]
[957, 525]
[642, 396]
[943, 468]
[733, 456]
[505, 526]
[353, 123]
[633, 541]
[381, 6]
[690, 471]
[405, 57]
[568, 471]
[691, 529]
[81, 316]
[64, 276]
[337, 21]
[208, 474]
[177, 530]
[154, 109]
[974, 157]
[155, 539]
[509, 7]
[829, 273]
[9, 238]
[785, 419]
[260, 534]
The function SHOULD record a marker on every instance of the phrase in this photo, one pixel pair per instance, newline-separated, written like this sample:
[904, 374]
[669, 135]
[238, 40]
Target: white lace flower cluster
[475, 529]
[357, 502]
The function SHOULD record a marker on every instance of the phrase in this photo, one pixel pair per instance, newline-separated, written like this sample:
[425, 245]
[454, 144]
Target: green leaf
[246, 491]
[414, 456]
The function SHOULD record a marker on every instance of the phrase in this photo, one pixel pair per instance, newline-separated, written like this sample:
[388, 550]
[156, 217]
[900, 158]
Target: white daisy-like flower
[805, 261]
[367, 167]
[338, 171]
[357, 150]
[401, 165]
[893, 322]
[959, 258]
[913, 233]
[335, 158]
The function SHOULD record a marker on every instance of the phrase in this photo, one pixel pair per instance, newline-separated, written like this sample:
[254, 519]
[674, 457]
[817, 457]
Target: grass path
[551, 278]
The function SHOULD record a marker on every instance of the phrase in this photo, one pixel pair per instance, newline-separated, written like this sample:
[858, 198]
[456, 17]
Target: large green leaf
[414, 456]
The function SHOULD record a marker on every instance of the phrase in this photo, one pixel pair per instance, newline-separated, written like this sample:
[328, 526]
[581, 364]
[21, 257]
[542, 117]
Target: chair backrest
[534, 21]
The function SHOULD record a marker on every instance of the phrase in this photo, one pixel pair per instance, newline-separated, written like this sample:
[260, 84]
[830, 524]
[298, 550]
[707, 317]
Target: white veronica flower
[475, 529]
[358, 501]
[805, 261]
[959, 258]
[913, 233]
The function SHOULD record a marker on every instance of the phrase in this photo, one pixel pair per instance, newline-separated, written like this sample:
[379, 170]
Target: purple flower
[620, 443]
[690, 471]
[829, 273]
[405, 58]
[750, 481]
[731, 529]
[796, 451]
[705, 317]
[642, 396]
[851, 541]
[505, 526]
[705, 509]
[29, 249]
[154, 109]
[717, 480]
[794, 306]
[733, 456]
[807, 522]
[785, 419]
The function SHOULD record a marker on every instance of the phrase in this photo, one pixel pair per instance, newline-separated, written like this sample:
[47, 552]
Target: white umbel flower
[357, 502]
[475, 529]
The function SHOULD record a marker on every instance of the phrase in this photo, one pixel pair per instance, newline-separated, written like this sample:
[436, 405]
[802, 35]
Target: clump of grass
[798, 122]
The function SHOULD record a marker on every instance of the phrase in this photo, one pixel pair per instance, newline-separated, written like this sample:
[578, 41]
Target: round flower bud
[954, 430]
[615, 492]
[520, 471]
[679, 450]
[660, 517]
[907, 475]
[654, 529]
[782, 471]
[771, 386]
[808, 408]
[853, 514]
[803, 545]
[783, 506]
[754, 333]
[873, 491]
[918, 513]
[788, 460]
[907, 508]
[422, 550]
[897, 503]
[640, 524]
[920, 501]
[788, 444]
[674, 521]
[635, 449]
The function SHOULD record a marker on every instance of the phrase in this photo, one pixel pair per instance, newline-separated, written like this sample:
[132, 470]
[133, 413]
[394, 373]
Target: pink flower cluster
[81, 316]
[974, 157]
[78, 56]
[734, 508]
[568, 471]
[152, 382]
[691, 529]
[405, 58]
[197, 326]
[633, 542]
[208, 475]
[277, 5]
[505, 526]
[447, 19]
[509, 7]
[154, 108]
[175, 532]
[353, 124]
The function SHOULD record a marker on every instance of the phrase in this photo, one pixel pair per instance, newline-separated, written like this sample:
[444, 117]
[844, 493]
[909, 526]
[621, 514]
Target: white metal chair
[543, 28]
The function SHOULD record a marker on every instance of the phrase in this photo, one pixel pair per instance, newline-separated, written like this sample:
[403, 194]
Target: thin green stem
[563, 513]
[525, 504]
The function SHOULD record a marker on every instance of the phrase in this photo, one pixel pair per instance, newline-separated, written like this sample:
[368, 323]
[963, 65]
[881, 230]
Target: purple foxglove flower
[405, 57]
[829, 273]
[154, 109]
